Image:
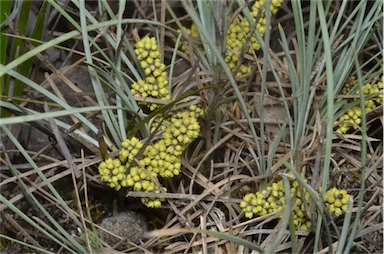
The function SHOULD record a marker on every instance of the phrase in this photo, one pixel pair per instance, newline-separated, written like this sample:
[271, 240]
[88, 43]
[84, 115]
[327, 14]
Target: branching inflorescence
[241, 38]
[273, 199]
[373, 98]
[155, 84]
[162, 157]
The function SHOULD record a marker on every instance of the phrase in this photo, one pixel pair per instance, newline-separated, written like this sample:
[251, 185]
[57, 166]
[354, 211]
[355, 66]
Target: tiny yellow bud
[275, 193]
[248, 215]
[338, 211]
[338, 203]
[157, 73]
[137, 186]
[130, 182]
[331, 208]
[147, 71]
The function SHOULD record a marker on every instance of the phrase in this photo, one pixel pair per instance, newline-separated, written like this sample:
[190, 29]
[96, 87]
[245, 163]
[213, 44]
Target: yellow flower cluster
[155, 84]
[181, 128]
[352, 119]
[240, 29]
[272, 199]
[112, 172]
[162, 158]
[237, 35]
[130, 148]
[193, 32]
[349, 120]
[336, 201]
[351, 82]
[154, 202]
[377, 91]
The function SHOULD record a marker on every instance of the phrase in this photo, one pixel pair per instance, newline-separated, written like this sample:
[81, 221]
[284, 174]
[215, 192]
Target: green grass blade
[31, 222]
[22, 243]
[119, 35]
[67, 36]
[330, 109]
[234, 239]
[275, 146]
[346, 230]
[227, 72]
[316, 201]
[61, 124]
[204, 62]
[51, 96]
[172, 64]
[293, 236]
[18, 46]
[206, 9]
[265, 48]
[107, 7]
[43, 116]
[286, 217]
[293, 78]
[6, 15]
[5, 7]
[40, 174]
[360, 201]
[109, 120]
[25, 68]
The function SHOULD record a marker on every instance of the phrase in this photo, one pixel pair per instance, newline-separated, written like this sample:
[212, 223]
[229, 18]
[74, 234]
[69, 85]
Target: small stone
[129, 225]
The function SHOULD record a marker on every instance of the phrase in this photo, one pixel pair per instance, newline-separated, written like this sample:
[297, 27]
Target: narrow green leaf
[286, 217]
[25, 68]
[315, 199]
[5, 15]
[30, 221]
[330, 109]
[40, 250]
[67, 36]
[41, 116]
[346, 230]
[361, 195]
[191, 11]
[234, 239]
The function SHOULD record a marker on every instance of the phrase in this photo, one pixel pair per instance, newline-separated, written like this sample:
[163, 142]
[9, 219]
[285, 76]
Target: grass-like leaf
[234, 239]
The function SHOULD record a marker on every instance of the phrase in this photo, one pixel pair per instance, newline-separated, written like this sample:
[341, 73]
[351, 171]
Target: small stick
[63, 147]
